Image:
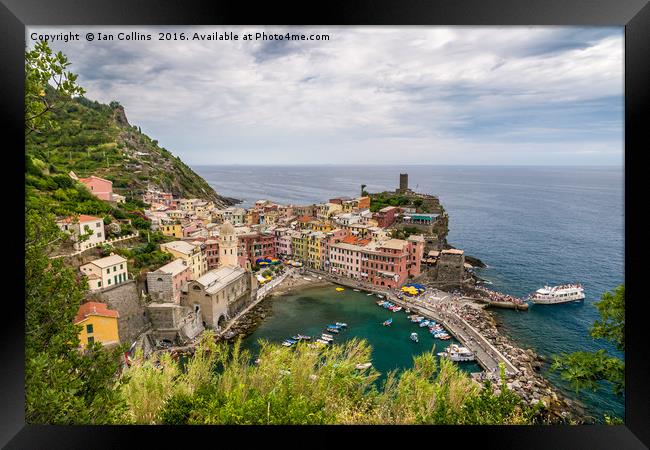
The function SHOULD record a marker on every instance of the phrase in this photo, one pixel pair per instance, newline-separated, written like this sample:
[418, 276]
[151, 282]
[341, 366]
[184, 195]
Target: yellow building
[299, 245]
[314, 249]
[190, 253]
[317, 225]
[99, 324]
[175, 230]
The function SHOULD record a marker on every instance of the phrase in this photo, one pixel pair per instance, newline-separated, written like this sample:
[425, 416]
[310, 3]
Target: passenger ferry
[558, 294]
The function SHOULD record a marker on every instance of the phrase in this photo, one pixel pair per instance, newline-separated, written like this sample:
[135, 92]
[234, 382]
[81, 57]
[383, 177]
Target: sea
[531, 225]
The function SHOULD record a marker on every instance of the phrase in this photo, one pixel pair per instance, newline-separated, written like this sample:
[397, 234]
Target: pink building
[212, 253]
[101, 188]
[252, 246]
[385, 217]
[165, 284]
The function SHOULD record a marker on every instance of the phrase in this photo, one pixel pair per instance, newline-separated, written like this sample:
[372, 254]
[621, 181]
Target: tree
[43, 67]
[586, 370]
[63, 384]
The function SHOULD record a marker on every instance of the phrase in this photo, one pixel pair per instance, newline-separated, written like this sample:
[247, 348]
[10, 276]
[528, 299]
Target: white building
[105, 272]
[81, 226]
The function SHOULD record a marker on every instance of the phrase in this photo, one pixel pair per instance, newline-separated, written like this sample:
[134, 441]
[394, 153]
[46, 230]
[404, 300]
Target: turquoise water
[309, 311]
[531, 225]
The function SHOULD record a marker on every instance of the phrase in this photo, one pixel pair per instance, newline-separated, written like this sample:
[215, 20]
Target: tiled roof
[94, 309]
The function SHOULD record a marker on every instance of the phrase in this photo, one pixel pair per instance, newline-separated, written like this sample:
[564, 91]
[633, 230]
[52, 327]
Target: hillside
[92, 138]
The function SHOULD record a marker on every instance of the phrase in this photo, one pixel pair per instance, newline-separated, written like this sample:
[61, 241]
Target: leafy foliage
[63, 385]
[588, 370]
[303, 385]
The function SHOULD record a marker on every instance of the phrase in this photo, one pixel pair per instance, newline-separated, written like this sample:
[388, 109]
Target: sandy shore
[297, 282]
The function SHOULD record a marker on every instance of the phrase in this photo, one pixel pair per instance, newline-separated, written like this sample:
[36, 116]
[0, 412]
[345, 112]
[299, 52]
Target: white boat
[320, 341]
[342, 324]
[327, 335]
[355, 290]
[457, 353]
[414, 337]
[326, 338]
[363, 366]
[558, 294]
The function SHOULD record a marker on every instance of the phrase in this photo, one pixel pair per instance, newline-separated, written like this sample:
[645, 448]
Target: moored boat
[388, 322]
[552, 295]
[414, 337]
[424, 323]
[332, 330]
[457, 353]
[341, 324]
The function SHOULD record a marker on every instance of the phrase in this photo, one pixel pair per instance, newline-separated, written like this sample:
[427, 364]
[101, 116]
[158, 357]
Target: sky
[381, 95]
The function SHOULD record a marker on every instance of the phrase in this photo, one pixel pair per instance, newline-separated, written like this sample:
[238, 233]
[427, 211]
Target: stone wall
[125, 299]
[164, 315]
[450, 268]
[160, 286]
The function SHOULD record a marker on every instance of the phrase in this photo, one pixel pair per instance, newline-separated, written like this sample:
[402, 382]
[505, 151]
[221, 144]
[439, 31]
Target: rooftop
[82, 218]
[453, 251]
[217, 279]
[107, 261]
[179, 246]
[94, 309]
[174, 268]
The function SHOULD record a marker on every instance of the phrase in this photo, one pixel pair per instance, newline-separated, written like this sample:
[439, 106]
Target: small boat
[355, 290]
[369, 294]
[334, 326]
[363, 366]
[326, 338]
[380, 296]
[332, 330]
[321, 341]
[388, 322]
[304, 338]
[327, 335]
[457, 353]
[424, 323]
[445, 337]
[397, 309]
[407, 311]
[341, 324]
[414, 337]
[295, 338]
[380, 302]
[339, 289]
[306, 279]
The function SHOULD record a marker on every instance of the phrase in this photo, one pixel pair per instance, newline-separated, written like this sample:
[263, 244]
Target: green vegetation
[66, 131]
[404, 233]
[307, 386]
[591, 370]
[379, 201]
[62, 384]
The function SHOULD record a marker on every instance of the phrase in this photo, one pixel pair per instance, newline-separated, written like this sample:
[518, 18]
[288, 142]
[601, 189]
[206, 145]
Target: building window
[99, 235]
[109, 281]
[89, 328]
[97, 225]
[99, 284]
[108, 270]
[91, 339]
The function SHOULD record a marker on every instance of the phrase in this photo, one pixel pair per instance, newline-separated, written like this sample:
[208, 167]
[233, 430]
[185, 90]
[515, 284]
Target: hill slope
[97, 139]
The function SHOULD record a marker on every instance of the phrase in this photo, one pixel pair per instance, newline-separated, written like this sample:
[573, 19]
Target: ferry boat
[457, 353]
[558, 294]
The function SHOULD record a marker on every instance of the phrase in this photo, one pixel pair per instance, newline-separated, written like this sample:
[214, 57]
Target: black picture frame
[634, 15]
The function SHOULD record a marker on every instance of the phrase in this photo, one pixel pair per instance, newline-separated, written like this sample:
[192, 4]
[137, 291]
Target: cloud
[430, 94]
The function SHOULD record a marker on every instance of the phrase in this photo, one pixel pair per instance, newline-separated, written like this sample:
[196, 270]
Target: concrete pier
[486, 354]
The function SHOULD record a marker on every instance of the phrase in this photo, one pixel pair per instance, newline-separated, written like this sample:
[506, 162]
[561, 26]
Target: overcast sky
[386, 95]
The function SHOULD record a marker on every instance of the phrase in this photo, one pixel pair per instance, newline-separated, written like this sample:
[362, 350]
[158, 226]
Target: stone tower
[403, 182]
[227, 245]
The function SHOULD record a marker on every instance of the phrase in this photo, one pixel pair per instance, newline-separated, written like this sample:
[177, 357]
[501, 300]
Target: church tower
[227, 245]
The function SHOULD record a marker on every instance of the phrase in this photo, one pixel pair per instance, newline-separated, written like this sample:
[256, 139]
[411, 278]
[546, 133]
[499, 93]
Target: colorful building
[102, 189]
[171, 229]
[98, 324]
[165, 284]
[192, 254]
[105, 272]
